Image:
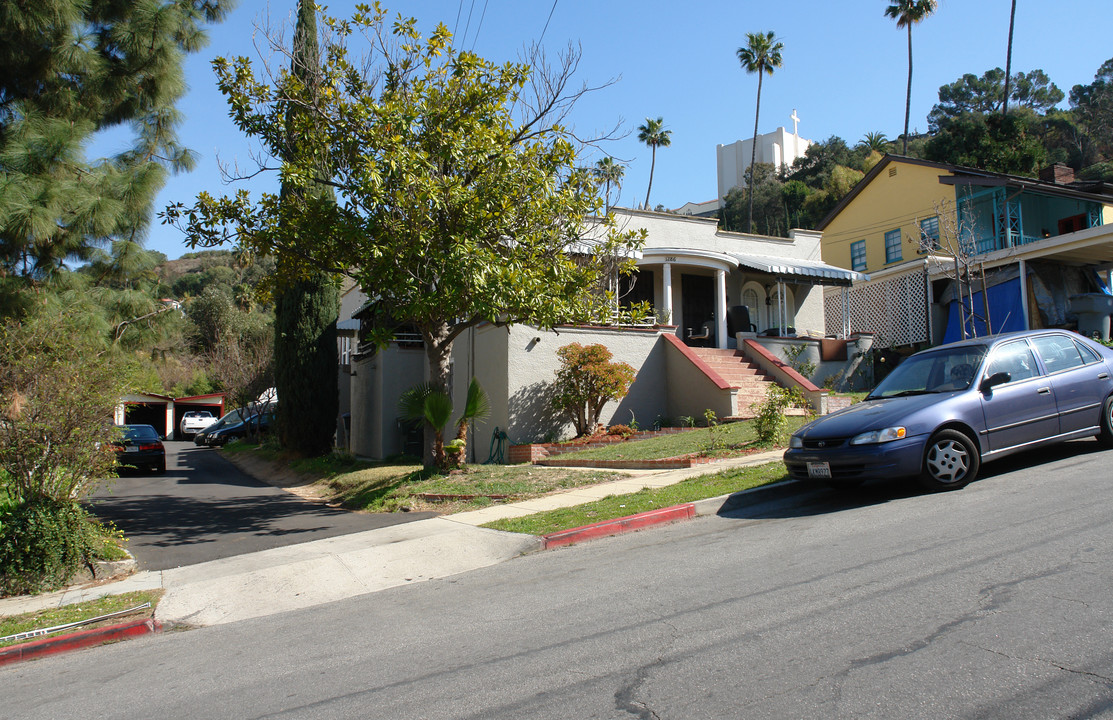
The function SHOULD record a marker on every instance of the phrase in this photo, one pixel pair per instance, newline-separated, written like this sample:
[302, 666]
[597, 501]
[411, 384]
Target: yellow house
[906, 221]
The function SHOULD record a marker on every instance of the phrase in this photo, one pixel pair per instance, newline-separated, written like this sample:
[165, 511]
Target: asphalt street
[204, 508]
[990, 602]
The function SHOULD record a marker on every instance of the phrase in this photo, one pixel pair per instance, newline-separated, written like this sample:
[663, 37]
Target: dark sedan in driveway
[943, 411]
[140, 447]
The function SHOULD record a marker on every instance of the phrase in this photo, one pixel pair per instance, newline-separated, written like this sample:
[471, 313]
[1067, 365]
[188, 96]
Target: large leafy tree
[973, 94]
[907, 13]
[761, 55]
[70, 68]
[1092, 108]
[459, 197]
[1006, 144]
[653, 134]
[307, 303]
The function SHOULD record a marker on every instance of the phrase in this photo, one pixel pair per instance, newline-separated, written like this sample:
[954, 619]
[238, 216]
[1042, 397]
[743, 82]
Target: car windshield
[944, 370]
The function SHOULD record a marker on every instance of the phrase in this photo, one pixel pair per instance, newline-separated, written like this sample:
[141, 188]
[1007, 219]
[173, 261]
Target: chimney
[1059, 173]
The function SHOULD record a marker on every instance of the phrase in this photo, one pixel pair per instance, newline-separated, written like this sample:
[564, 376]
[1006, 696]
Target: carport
[213, 402]
[146, 409]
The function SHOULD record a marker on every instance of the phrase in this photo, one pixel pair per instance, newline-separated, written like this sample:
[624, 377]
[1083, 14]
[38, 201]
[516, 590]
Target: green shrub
[43, 543]
[770, 421]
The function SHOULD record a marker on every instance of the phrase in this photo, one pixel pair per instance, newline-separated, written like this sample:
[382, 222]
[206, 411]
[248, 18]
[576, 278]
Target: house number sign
[670, 259]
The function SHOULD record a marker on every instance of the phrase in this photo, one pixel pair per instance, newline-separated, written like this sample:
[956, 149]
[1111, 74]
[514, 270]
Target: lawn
[404, 485]
[14, 624]
[616, 506]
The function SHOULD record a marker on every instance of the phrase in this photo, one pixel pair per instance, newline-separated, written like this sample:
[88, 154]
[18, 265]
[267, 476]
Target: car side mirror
[997, 378]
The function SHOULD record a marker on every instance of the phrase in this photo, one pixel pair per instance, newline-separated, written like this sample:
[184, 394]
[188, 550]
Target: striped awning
[814, 271]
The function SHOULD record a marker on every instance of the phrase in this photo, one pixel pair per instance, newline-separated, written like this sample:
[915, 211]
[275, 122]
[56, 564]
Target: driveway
[204, 508]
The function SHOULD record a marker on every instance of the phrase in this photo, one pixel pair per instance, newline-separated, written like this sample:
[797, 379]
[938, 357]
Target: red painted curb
[617, 526]
[78, 640]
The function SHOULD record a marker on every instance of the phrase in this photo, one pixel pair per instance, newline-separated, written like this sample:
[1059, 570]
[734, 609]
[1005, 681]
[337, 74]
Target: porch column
[1024, 293]
[721, 308]
[666, 281]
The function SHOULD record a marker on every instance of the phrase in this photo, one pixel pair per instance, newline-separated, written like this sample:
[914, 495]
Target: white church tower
[779, 147]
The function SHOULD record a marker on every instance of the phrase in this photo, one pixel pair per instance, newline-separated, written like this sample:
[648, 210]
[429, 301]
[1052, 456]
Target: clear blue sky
[845, 67]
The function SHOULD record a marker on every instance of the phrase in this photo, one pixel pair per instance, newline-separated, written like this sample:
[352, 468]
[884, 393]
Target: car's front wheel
[1105, 437]
[951, 461]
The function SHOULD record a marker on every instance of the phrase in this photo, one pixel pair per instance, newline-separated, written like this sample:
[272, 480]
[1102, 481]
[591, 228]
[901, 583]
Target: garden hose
[498, 448]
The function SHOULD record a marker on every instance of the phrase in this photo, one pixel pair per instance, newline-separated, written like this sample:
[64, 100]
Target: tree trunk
[438, 351]
[1008, 62]
[753, 154]
[908, 93]
[652, 165]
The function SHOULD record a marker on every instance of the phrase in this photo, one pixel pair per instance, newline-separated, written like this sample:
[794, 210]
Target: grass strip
[13, 624]
[616, 506]
[724, 440]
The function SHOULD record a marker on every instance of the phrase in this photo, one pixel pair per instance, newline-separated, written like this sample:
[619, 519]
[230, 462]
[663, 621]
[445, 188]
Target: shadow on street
[204, 508]
[803, 499]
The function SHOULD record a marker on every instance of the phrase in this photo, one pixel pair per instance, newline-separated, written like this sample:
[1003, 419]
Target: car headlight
[796, 441]
[879, 436]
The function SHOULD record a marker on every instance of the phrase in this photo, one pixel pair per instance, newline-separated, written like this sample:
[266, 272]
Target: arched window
[753, 297]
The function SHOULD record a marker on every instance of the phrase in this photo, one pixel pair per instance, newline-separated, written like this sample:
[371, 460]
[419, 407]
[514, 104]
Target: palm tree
[1009, 61]
[607, 171]
[476, 407]
[434, 406]
[761, 54]
[875, 141]
[907, 13]
[654, 134]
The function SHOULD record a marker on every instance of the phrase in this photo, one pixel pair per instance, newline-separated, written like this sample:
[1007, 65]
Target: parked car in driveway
[194, 421]
[257, 424]
[230, 418]
[943, 411]
[140, 447]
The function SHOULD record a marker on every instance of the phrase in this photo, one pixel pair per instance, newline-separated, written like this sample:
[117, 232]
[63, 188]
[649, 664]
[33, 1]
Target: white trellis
[895, 309]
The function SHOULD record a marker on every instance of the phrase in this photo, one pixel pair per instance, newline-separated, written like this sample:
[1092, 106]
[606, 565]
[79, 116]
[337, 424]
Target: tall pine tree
[307, 302]
[70, 68]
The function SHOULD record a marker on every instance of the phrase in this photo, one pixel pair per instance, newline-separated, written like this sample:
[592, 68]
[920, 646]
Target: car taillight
[151, 446]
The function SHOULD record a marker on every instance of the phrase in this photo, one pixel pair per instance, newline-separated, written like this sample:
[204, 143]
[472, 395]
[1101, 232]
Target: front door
[698, 302]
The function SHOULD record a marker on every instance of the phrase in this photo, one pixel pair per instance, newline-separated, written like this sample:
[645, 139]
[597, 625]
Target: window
[1014, 358]
[929, 234]
[858, 255]
[1058, 352]
[892, 246]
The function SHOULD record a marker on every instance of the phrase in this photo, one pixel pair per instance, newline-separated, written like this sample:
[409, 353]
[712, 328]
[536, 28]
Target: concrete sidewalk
[322, 571]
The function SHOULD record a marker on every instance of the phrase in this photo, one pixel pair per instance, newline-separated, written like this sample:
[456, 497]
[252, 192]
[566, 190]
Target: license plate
[132, 448]
[819, 470]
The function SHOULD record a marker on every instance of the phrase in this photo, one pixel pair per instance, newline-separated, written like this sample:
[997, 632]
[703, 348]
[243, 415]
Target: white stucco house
[719, 298]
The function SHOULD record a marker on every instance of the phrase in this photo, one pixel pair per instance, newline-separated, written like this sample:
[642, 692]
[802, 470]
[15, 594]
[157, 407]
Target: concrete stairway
[748, 383]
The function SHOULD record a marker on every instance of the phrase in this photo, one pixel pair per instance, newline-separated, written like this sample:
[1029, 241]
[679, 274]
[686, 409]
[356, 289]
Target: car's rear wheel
[1105, 437]
[951, 461]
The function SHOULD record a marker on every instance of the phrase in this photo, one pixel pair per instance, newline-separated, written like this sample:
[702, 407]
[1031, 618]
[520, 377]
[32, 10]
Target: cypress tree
[307, 303]
[68, 69]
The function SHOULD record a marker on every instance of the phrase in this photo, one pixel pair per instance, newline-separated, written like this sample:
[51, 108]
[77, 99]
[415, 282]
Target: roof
[815, 271]
[1096, 192]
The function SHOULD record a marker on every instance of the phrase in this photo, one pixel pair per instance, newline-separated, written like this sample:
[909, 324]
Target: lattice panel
[894, 309]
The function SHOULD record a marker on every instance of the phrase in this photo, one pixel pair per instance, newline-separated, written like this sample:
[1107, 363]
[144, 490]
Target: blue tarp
[1005, 312]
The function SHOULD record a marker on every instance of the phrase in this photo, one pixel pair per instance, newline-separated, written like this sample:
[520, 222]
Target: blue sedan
[944, 411]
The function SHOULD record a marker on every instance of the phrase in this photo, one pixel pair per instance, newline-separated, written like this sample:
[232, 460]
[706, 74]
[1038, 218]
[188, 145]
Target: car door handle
[1044, 390]
[1103, 376]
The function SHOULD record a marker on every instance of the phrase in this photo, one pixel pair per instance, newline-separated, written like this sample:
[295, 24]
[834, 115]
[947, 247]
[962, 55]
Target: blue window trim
[892, 249]
[932, 236]
[858, 255]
